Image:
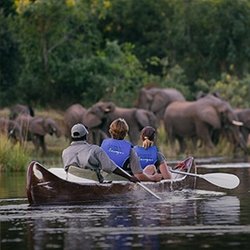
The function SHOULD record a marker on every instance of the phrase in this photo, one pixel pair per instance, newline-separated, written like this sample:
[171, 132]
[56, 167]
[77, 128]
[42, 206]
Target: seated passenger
[88, 156]
[122, 153]
[152, 161]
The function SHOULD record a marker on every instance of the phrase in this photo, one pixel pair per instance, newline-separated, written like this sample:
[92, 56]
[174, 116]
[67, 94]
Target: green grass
[12, 157]
[16, 158]
[224, 148]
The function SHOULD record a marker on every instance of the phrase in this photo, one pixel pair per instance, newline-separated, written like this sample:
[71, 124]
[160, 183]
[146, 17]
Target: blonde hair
[118, 129]
[148, 136]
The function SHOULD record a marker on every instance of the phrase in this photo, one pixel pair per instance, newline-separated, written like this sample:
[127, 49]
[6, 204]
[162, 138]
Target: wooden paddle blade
[223, 180]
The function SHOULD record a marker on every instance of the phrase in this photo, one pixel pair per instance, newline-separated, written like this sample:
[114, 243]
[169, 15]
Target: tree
[9, 61]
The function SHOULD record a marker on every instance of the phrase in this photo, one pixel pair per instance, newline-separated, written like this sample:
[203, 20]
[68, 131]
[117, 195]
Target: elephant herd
[98, 118]
[203, 121]
[22, 125]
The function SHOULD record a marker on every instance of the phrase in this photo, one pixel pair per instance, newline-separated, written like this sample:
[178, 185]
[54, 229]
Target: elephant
[101, 114]
[244, 117]
[157, 99]
[11, 129]
[36, 128]
[201, 120]
[73, 114]
[19, 109]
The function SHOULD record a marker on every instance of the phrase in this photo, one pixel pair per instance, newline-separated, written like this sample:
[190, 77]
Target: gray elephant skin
[11, 129]
[201, 119]
[157, 99]
[73, 114]
[20, 109]
[244, 117]
[36, 128]
[101, 114]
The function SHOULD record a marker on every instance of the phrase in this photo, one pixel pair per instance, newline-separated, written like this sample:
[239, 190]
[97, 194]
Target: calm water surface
[208, 217]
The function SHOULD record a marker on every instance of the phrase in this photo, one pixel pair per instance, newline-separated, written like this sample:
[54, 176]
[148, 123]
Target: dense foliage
[54, 53]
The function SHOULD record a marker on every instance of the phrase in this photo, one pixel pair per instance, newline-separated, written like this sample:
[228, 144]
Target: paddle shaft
[141, 185]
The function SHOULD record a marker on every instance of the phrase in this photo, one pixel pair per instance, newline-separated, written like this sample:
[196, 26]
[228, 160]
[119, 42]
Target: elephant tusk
[11, 132]
[237, 123]
[107, 110]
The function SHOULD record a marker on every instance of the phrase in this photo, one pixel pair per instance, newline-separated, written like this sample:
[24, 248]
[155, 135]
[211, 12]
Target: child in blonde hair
[152, 161]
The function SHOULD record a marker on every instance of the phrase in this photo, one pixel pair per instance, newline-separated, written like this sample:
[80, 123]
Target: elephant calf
[35, 128]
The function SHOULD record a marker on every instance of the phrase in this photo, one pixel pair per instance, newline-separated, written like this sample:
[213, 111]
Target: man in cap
[88, 156]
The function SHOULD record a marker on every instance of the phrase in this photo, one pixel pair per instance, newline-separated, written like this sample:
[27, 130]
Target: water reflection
[12, 185]
[123, 224]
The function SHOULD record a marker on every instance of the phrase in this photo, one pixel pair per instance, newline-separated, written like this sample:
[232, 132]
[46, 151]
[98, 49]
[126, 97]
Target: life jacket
[117, 150]
[147, 156]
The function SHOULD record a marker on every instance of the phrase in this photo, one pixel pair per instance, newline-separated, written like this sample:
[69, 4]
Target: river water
[208, 217]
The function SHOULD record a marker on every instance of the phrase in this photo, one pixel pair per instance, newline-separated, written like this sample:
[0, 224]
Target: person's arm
[146, 177]
[163, 167]
[137, 170]
[131, 178]
[65, 162]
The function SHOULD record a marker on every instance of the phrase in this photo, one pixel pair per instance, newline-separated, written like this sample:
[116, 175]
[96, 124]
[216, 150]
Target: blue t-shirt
[117, 150]
[147, 156]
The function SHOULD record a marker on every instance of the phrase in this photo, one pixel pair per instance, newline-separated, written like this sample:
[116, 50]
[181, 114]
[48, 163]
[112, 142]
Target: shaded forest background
[57, 52]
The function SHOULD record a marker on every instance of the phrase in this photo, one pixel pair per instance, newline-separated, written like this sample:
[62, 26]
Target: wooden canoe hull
[45, 188]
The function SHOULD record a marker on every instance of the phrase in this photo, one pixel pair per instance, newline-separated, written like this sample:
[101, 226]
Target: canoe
[47, 186]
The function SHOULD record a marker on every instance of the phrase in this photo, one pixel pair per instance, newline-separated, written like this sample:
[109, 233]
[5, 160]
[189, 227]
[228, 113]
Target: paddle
[223, 180]
[141, 185]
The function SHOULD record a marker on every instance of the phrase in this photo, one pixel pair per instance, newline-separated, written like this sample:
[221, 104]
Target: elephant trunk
[238, 138]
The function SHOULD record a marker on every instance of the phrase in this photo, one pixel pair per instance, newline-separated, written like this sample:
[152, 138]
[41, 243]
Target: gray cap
[78, 131]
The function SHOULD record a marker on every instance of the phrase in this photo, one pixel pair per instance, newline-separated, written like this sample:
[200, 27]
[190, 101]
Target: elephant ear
[51, 127]
[97, 114]
[145, 118]
[91, 119]
[210, 116]
[37, 126]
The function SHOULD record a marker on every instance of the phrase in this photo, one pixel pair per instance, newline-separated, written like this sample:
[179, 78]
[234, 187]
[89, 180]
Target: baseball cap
[78, 131]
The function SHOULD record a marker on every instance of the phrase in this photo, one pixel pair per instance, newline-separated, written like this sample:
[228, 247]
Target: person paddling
[122, 153]
[88, 156]
[152, 161]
